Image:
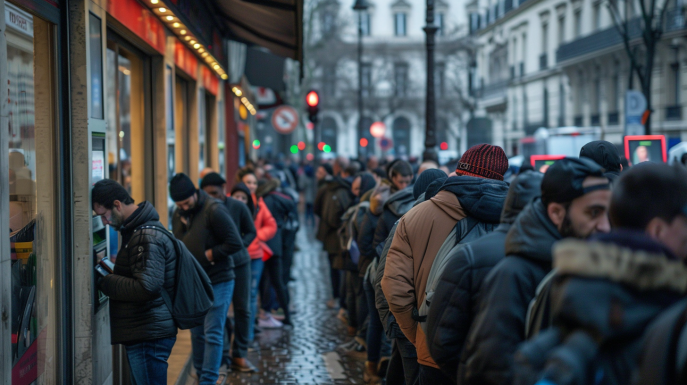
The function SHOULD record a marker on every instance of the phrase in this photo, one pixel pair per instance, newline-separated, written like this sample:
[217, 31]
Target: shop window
[171, 137]
[125, 139]
[31, 204]
[222, 139]
[202, 130]
[96, 65]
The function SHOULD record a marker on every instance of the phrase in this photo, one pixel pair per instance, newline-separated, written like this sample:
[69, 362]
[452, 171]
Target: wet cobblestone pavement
[306, 354]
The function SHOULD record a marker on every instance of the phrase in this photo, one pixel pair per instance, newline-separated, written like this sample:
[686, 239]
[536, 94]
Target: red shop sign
[210, 81]
[185, 59]
[140, 21]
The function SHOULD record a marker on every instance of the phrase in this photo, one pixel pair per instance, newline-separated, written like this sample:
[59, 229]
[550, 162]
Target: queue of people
[572, 276]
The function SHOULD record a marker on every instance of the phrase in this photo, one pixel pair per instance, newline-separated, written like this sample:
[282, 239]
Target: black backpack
[193, 296]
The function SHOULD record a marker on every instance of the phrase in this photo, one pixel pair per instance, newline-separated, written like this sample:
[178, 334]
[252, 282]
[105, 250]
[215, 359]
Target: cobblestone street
[306, 354]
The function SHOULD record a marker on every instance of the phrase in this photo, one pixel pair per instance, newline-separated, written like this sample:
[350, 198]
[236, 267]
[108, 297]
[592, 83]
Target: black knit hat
[425, 179]
[213, 179]
[328, 167]
[603, 153]
[563, 181]
[181, 187]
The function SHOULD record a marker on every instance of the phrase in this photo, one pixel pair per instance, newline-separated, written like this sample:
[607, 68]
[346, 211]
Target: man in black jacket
[206, 228]
[455, 300]
[574, 203]
[139, 317]
[214, 185]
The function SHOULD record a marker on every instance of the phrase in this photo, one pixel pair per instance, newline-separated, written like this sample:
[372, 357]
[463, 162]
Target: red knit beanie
[483, 161]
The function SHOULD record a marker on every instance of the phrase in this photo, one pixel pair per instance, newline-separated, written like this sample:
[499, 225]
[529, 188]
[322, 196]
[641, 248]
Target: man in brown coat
[478, 192]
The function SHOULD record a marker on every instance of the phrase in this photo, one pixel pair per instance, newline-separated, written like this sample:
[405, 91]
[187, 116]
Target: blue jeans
[378, 344]
[208, 340]
[148, 361]
[256, 266]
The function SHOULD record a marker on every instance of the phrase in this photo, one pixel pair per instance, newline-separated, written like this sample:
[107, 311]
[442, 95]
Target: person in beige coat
[479, 192]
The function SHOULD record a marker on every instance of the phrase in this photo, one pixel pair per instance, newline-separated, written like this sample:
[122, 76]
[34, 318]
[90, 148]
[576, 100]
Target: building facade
[552, 63]
[393, 75]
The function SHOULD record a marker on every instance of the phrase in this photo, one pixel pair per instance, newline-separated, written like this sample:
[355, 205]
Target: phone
[101, 270]
[106, 264]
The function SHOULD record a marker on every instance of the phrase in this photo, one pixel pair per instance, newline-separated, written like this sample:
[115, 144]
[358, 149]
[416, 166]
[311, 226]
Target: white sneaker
[269, 322]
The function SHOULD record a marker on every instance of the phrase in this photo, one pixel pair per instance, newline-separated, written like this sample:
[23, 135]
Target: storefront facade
[94, 89]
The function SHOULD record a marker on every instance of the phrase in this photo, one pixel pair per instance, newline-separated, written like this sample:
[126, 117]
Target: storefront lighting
[216, 66]
[176, 25]
[187, 38]
[204, 54]
[237, 91]
[183, 32]
[170, 18]
[196, 46]
[192, 42]
[154, 1]
[162, 10]
[202, 50]
[225, 77]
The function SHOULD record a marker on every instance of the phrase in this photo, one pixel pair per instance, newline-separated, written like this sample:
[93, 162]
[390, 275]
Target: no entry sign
[285, 119]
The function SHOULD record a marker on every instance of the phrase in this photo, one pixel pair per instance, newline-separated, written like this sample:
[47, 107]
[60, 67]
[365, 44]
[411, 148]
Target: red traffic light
[320, 146]
[313, 99]
[301, 146]
[443, 146]
[363, 142]
[310, 125]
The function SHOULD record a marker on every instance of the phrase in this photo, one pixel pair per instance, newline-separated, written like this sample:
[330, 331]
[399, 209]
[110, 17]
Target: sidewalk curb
[185, 371]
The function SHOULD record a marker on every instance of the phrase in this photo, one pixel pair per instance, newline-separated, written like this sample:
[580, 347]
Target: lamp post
[360, 7]
[430, 106]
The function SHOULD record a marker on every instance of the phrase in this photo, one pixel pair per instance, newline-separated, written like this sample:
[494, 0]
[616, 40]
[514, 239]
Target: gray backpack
[466, 230]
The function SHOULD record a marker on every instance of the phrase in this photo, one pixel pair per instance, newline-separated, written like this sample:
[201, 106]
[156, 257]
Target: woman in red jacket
[266, 228]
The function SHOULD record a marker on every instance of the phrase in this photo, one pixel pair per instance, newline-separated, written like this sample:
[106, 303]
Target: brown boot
[370, 376]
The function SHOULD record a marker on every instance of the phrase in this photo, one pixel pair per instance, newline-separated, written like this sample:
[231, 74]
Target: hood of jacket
[380, 195]
[367, 183]
[625, 257]
[522, 190]
[337, 183]
[401, 202]
[532, 235]
[267, 187]
[366, 197]
[144, 213]
[481, 198]
[611, 289]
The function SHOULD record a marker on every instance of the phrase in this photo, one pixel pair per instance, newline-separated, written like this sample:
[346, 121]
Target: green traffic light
[294, 149]
[327, 148]
[256, 143]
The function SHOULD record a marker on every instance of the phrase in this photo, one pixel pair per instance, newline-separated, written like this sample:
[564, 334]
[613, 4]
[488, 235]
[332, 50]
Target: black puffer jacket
[209, 226]
[243, 220]
[604, 295]
[499, 326]
[144, 267]
[456, 300]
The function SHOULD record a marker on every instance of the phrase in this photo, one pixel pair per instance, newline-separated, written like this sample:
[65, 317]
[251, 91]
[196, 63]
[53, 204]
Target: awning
[274, 24]
[264, 69]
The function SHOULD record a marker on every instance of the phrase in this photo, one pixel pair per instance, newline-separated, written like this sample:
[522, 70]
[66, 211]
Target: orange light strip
[182, 32]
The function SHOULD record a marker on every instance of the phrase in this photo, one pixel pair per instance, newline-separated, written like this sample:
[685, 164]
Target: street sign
[635, 105]
[386, 144]
[285, 119]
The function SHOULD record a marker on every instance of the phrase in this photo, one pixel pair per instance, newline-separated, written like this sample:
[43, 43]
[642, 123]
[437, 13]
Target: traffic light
[313, 102]
[363, 142]
[443, 146]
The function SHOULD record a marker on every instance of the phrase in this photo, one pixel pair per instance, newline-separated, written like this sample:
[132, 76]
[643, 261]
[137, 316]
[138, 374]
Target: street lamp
[360, 7]
[430, 107]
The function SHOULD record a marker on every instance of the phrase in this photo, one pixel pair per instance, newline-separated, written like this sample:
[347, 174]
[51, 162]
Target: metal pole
[360, 81]
[430, 107]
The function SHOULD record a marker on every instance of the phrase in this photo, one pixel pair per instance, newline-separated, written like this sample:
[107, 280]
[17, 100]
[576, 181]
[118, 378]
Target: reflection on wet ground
[306, 354]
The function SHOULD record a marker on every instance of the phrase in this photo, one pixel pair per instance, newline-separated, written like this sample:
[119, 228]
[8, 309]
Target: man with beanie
[213, 184]
[574, 203]
[605, 155]
[455, 301]
[477, 193]
[206, 228]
